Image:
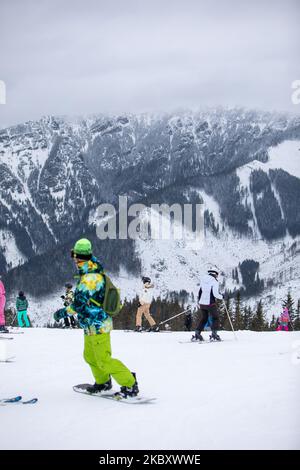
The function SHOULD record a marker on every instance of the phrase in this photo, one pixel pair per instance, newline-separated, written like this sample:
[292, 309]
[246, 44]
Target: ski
[15, 332]
[200, 342]
[9, 359]
[11, 400]
[17, 400]
[32, 401]
[6, 337]
[11, 332]
[138, 400]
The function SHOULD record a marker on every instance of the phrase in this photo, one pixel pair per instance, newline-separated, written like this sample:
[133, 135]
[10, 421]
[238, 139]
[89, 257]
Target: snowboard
[138, 400]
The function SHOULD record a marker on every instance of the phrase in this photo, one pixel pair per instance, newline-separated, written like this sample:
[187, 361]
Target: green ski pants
[97, 353]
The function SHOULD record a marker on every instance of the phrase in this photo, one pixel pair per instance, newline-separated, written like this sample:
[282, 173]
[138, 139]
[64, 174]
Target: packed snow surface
[240, 394]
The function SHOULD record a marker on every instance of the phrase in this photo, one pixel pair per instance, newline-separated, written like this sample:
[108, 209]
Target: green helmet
[82, 249]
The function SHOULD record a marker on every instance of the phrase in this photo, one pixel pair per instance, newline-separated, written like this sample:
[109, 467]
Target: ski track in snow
[231, 395]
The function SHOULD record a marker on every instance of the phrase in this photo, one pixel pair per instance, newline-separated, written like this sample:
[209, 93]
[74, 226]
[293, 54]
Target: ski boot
[3, 329]
[197, 337]
[126, 392]
[99, 388]
[214, 336]
[154, 329]
[138, 329]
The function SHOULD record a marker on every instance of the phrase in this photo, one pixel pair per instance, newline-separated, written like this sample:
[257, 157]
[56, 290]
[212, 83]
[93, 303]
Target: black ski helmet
[146, 279]
[68, 286]
[21, 293]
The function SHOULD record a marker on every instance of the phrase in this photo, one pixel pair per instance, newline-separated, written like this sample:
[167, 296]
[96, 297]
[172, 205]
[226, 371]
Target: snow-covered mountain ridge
[243, 164]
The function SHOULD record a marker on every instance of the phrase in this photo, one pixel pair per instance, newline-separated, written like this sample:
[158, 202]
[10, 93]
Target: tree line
[243, 316]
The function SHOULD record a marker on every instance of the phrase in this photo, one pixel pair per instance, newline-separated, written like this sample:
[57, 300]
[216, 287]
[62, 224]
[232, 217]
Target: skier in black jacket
[208, 293]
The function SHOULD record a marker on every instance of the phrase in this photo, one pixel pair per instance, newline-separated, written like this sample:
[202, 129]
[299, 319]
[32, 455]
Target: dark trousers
[211, 312]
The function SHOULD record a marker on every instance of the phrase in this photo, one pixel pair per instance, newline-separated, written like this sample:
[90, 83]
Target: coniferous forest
[243, 316]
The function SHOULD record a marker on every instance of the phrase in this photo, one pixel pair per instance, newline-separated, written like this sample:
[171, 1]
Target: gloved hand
[62, 296]
[59, 314]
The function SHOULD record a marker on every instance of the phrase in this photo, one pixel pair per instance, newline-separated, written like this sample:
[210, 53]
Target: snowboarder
[284, 320]
[208, 293]
[144, 306]
[3, 328]
[22, 307]
[97, 324]
[68, 299]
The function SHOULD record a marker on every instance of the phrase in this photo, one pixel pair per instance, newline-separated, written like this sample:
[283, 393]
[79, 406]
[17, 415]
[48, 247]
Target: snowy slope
[285, 155]
[48, 186]
[173, 265]
[231, 395]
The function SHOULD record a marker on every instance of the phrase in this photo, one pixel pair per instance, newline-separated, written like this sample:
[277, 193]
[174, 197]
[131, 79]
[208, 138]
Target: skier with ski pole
[208, 293]
[144, 306]
[92, 294]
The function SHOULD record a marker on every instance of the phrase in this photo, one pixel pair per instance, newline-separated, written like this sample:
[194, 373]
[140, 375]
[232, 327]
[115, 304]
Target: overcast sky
[80, 57]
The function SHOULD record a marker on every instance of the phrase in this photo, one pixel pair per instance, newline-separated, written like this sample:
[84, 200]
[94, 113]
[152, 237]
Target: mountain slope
[243, 164]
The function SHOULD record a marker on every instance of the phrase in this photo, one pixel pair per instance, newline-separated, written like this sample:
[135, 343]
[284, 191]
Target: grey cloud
[74, 57]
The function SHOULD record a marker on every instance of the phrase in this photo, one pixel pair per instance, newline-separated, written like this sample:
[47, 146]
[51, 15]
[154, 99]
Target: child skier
[3, 329]
[97, 324]
[68, 299]
[22, 307]
[284, 320]
[208, 293]
[144, 307]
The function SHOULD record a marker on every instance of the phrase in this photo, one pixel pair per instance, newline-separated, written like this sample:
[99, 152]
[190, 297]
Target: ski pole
[229, 320]
[14, 317]
[171, 318]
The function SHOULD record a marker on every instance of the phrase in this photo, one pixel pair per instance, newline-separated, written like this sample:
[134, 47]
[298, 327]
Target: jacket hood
[90, 266]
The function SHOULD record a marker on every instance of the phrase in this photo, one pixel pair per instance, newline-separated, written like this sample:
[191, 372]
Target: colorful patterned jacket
[91, 287]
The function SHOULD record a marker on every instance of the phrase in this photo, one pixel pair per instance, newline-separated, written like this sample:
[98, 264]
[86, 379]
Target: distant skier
[97, 324]
[208, 293]
[3, 328]
[68, 299]
[22, 307]
[188, 321]
[144, 306]
[284, 320]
